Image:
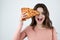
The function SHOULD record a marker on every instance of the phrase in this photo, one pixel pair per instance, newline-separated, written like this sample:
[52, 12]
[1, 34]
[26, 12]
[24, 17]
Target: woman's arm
[54, 34]
[19, 35]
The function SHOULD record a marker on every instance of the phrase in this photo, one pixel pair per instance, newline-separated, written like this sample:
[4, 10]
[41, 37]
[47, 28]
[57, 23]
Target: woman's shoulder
[28, 28]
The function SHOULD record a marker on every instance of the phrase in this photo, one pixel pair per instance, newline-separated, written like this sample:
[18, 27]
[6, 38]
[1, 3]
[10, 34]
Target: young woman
[40, 28]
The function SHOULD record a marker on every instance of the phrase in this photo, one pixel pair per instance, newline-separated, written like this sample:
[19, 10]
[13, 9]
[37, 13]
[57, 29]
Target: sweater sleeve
[54, 34]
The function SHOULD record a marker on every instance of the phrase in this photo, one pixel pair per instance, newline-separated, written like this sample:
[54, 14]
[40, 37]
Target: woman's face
[41, 17]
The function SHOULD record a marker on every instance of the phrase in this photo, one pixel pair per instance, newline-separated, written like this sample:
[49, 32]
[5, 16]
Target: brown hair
[47, 22]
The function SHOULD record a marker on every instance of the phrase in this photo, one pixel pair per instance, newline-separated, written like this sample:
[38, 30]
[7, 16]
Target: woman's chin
[39, 22]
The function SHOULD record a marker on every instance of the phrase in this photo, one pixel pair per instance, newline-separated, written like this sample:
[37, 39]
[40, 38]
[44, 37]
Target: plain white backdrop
[10, 11]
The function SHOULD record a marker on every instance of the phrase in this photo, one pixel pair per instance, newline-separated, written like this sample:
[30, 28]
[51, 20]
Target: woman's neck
[39, 26]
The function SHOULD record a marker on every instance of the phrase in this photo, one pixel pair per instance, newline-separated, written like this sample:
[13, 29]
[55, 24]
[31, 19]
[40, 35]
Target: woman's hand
[22, 17]
[21, 21]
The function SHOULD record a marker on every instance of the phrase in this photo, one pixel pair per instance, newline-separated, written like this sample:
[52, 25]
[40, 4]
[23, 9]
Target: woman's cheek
[43, 18]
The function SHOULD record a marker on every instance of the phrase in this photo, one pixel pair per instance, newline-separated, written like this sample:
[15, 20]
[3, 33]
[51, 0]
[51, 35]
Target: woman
[40, 28]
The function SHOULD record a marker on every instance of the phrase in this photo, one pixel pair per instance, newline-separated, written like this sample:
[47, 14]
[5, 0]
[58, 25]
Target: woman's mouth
[39, 19]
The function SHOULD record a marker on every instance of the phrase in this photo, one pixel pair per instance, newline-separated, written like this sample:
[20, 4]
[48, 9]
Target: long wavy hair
[47, 22]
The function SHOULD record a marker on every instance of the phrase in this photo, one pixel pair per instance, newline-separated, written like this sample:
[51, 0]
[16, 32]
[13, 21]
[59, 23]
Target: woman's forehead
[40, 9]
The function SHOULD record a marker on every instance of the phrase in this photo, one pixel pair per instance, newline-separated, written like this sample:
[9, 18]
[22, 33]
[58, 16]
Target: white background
[10, 13]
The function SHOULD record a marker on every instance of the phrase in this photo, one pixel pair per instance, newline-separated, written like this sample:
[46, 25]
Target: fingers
[23, 16]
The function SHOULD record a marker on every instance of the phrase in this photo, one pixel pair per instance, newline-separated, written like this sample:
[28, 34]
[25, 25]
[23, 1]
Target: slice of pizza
[29, 12]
